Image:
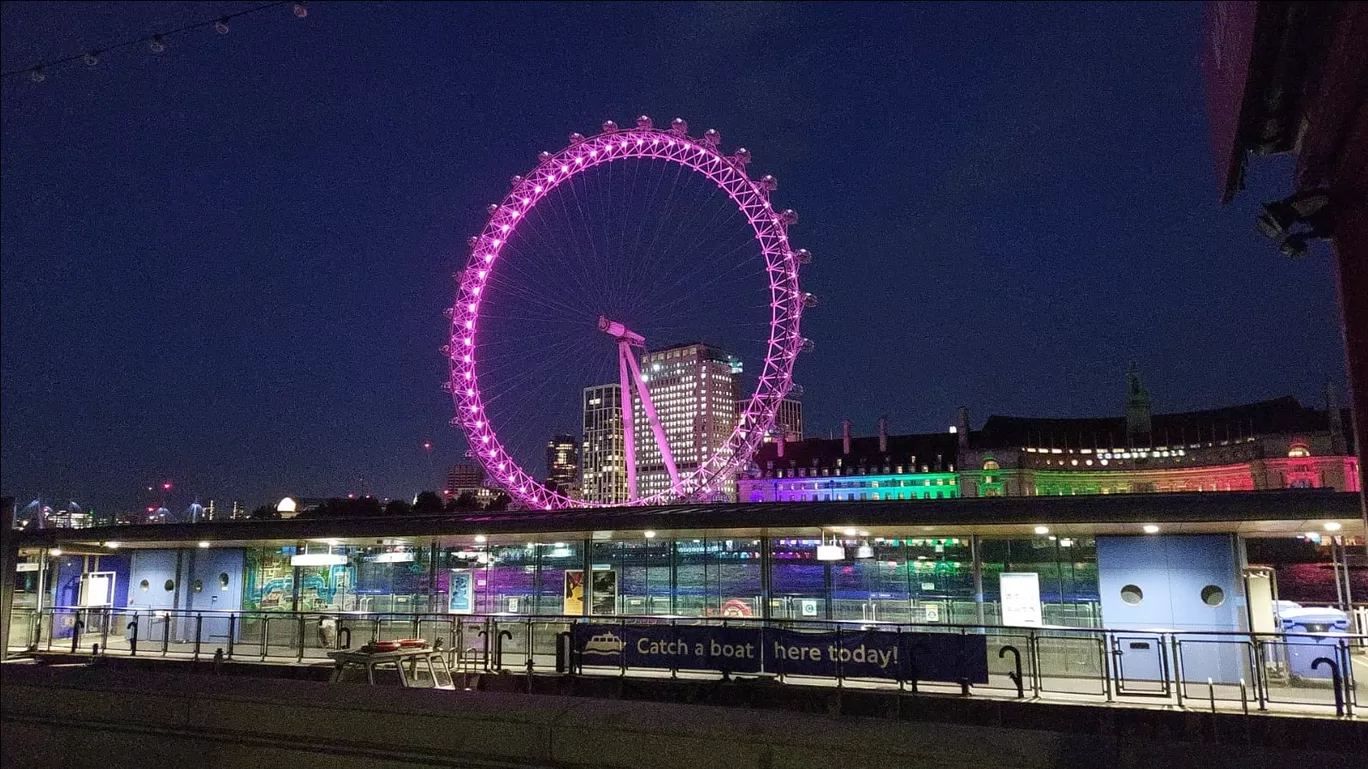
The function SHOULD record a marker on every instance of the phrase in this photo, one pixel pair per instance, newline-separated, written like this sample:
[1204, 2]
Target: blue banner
[947, 657]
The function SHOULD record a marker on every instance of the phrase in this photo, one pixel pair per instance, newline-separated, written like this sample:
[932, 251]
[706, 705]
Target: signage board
[1021, 599]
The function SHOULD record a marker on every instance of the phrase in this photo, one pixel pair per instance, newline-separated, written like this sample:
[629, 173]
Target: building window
[1132, 594]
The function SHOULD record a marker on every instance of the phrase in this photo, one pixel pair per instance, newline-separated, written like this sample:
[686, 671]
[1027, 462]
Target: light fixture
[318, 559]
[1333, 526]
[334, 542]
[221, 26]
[155, 45]
[112, 545]
[204, 544]
[851, 532]
[650, 535]
[1151, 529]
[480, 539]
[55, 552]
[1042, 530]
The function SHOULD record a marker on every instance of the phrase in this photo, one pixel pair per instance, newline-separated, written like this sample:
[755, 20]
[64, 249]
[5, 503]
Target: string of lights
[156, 43]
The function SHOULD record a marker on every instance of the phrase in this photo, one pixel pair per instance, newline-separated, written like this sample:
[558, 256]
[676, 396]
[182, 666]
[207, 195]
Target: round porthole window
[1132, 594]
[170, 585]
[198, 587]
[144, 585]
[1213, 595]
[223, 580]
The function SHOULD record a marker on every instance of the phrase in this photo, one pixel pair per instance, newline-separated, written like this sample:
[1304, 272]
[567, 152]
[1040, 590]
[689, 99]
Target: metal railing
[1303, 673]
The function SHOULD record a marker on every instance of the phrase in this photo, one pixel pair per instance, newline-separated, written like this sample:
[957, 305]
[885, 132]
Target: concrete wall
[63, 717]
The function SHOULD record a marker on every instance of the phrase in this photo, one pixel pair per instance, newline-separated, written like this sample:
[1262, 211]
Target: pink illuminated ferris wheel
[605, 301]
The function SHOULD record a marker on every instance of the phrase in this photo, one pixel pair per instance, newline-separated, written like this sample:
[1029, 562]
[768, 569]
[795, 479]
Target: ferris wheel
[629, 241]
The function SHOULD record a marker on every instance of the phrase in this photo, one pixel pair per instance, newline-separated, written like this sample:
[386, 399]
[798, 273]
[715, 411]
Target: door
[1142, 664]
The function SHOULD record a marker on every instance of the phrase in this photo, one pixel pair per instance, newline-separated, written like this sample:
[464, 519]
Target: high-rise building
[562, 464]
[463, 477]
[694, 388]
[788, 420]
[603, 476]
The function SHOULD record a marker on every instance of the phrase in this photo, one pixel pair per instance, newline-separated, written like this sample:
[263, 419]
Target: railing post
[133, 635]
[76, 629]
[199, 627]
[302, 631]
[1015, 677]
[1177, 668]
[104, 628]
[265, 636]
[1335, 680]
[232, 632]
[166, 633]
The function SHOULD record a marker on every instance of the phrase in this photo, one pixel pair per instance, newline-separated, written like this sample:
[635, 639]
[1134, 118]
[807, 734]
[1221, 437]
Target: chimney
[962, 428]
[883, 435]
[1332, 409]
[845, 437]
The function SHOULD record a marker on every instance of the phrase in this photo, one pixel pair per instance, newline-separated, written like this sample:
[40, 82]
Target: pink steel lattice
[786, 300]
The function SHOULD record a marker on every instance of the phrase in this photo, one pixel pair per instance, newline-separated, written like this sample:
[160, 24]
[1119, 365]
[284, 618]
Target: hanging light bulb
[300, 11]
[91, 58]
[221, 26]
[155, 45]
[37, 75]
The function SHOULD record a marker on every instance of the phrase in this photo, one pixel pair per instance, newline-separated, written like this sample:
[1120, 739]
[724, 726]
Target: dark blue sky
[226, 265]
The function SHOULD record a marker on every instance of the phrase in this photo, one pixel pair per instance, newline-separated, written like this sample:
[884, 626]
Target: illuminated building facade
[562, 464]
[603, 476]
[694, 388]
[846, 469]
[1273, 444]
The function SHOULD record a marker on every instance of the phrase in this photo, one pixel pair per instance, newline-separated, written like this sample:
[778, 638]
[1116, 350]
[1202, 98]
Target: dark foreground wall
[59, 717]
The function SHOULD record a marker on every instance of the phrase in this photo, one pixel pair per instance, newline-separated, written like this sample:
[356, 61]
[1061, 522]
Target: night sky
[226, 265]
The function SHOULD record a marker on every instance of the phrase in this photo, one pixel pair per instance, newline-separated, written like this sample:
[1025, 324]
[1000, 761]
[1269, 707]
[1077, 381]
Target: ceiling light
[1151, 529]
[1042, 530]
[1333, 526]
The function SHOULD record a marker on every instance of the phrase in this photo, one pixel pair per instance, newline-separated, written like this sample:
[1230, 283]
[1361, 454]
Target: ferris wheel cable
[585, 289]
[526, 289]
[687, 278]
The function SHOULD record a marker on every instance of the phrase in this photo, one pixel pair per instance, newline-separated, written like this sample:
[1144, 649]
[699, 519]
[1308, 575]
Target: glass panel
[352, 673]
[440, 673]
[418, 673]
[386, 674]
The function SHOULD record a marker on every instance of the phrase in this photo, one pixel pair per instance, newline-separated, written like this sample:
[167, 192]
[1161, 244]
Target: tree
[265, 513]
[397, 507]
[499, 502]
[427, 503]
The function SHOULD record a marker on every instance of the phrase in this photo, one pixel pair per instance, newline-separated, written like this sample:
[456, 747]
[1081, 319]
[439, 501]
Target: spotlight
[156, 44]
[91, 58]
[221, 26]
[300, 11]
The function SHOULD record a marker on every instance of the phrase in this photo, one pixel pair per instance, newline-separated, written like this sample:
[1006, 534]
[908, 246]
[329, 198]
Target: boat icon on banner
[604, 643]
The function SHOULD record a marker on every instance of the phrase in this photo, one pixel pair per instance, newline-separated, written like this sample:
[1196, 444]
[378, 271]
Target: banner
[572, 602]
[947, 657]
[461, 592]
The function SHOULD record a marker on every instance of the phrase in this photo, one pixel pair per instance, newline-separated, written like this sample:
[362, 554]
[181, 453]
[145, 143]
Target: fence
[1310, 673]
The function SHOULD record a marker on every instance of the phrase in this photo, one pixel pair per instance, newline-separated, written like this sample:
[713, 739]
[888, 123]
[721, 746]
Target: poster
[1021, 599]
[573, 596]
[809, 607]
[461, 592]
[604, 585]
[97, 588]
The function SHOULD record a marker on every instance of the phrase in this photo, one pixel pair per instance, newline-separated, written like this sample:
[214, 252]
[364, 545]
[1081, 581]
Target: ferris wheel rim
[770, 228]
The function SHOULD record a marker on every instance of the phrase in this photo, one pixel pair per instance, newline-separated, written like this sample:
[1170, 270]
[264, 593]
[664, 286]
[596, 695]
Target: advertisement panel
[461, 592]
[947, 657]
[1021, 599]
[572, 602]
[603, 582]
